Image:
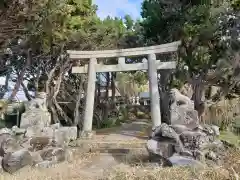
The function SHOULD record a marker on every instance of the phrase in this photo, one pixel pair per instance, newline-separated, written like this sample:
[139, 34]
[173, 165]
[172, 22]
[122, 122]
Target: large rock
[9, 145]
[163, 140]
[12, 162]
[185, 141]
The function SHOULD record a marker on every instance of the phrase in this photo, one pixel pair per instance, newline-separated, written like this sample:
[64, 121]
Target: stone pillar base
[86, 134]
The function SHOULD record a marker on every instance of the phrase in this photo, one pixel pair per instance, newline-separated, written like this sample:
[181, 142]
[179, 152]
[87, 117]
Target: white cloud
[118, 8]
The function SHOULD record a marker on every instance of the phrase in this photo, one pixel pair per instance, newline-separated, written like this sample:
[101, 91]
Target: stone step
[107, 146]
[119, 150]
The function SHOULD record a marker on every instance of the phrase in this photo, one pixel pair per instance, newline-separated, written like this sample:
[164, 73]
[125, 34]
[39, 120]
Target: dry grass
[63, 171]
[140, 172]
[222, 111]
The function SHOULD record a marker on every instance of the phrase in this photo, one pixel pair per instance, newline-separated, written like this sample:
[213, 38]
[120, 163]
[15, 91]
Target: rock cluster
[185, 141]
[35, 146]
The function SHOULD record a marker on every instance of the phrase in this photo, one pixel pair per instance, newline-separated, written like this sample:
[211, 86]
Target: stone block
[33, 131]
[181, 115]
[35, 117]
[48, 132]
[64, 135]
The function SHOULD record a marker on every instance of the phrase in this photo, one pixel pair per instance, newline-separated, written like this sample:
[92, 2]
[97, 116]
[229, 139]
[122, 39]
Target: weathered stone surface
[12, 162]
[25, 144]
[17, 131]
[36, 157]
[184, 116]
[164, 141]
[39, 143]
[36, 113]
[48, 131]
[55, 126]
[177, 160]
[190, 141]
[1, 168]
[165, 131]
[178, 128]
[159, 148]
[6, 131]
[53, 154]
[187, 90]
[193, 140]
[182, 110]
[8, 146]
[87, 134]
[69, 155]
[4, 137]
[216, 130]
[35, 117]
[64, 135]
[45, 164]
[180, 99]
[33, 131]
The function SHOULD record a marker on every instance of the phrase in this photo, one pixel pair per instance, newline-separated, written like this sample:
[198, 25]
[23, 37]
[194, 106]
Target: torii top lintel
[159, 49]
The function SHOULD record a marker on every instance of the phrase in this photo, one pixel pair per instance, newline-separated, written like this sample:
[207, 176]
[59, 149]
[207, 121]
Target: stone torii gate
[152, 65]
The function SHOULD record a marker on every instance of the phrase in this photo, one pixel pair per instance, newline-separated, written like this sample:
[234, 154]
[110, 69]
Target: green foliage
[208, 30]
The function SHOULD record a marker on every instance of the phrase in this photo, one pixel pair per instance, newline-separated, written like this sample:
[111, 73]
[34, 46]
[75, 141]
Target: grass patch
[230, 137]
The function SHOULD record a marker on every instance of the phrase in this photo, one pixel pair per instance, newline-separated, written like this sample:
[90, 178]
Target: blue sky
[118, 8]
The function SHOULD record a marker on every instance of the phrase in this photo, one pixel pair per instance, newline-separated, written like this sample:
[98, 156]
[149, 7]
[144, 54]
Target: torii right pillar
[154, 91]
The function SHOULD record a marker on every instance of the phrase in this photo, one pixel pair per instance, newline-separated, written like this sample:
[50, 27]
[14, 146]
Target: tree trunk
[25, 90]
[113, 87]
[20, 77]
[98, 89]
[164, 88]
[198, 91]
[106, 107]
[77, 117]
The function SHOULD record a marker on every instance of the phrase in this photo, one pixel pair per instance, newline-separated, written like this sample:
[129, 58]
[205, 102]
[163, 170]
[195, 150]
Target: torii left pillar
[89, 103]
